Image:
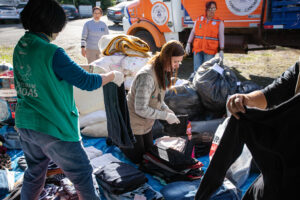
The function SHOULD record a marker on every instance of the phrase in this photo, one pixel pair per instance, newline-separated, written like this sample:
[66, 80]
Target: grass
[6, 54]
[264, 66]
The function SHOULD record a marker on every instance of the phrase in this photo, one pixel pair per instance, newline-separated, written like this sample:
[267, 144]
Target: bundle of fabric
[121, 53]
[11, 137]
[5, 161]
[118, 177]
[127, 44]
[170, 159]
[6, 181]
[129, 66]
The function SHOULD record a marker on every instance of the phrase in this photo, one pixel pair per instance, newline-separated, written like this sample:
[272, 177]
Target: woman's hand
[83, 52]
[172, 119]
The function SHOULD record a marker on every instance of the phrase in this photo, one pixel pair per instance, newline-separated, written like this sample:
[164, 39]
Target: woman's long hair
[162, 60]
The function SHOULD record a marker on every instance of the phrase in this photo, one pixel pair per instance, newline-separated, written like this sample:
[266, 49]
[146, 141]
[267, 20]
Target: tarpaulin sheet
[100, 143]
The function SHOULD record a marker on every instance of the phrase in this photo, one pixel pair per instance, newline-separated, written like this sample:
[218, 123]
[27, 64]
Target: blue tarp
[100, 143]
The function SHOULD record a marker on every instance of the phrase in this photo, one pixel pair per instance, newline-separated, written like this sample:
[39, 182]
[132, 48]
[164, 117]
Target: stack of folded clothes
[118, 177]
[170, 159]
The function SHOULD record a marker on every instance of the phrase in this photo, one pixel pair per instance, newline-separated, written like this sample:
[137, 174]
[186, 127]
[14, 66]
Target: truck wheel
[147, 37]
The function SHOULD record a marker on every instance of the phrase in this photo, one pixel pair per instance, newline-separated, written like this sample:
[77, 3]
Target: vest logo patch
[214, 23]
[27, 89]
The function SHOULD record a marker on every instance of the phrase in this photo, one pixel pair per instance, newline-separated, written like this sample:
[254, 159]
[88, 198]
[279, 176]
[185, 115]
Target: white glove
[188, 48]
[171, 118]
[169, 111]
[221, 54]
[119, 78]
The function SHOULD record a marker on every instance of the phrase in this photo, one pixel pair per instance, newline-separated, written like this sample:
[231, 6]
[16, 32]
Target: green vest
[45, 103]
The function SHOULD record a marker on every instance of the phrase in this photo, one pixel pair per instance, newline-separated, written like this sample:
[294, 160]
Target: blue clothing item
[39, 148]
[186, 190]
[11, 137]
[145, 190]
[200, 58]
[66, 69]
[4, 189]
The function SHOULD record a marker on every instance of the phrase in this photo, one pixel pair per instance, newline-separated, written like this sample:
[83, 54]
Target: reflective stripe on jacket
[206, 35]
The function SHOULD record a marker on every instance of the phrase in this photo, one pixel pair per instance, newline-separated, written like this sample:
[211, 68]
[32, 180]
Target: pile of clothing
[124, 53]
[8, 95]
[170, 159]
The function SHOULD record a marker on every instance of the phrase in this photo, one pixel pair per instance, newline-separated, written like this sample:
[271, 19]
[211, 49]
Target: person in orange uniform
[207, 36]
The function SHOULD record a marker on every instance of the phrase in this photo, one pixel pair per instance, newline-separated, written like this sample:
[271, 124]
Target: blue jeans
[200, 58]
[39, 149]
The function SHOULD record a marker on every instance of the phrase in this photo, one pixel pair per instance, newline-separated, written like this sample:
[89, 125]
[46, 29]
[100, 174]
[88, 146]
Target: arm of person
[221, 36]
[106, 30]
[66, 69]
[192, 34]
[237, 102]
[84, 35]
[144, 86]
[282, 88]
[166, 108]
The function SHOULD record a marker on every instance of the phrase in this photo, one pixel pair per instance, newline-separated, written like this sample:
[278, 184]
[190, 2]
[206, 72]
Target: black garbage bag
[183, 99]
[214, 82]
[247, 87]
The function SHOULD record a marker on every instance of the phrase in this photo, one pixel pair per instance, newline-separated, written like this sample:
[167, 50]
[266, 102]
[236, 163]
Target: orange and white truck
[249, 24]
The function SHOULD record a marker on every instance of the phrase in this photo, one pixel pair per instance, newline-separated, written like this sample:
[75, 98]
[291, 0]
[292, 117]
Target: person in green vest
[46, 115]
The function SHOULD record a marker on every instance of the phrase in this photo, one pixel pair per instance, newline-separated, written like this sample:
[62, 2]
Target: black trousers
[118, 122]
[143, 144]
[272, 137]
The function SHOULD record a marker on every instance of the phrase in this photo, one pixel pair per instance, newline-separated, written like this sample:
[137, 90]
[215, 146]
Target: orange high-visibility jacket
[206, 37]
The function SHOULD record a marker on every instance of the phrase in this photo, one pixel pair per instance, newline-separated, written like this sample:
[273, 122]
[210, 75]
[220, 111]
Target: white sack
[131, 65]
[95, 130]
[109, 63]
[89, 101]
[92, 118]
